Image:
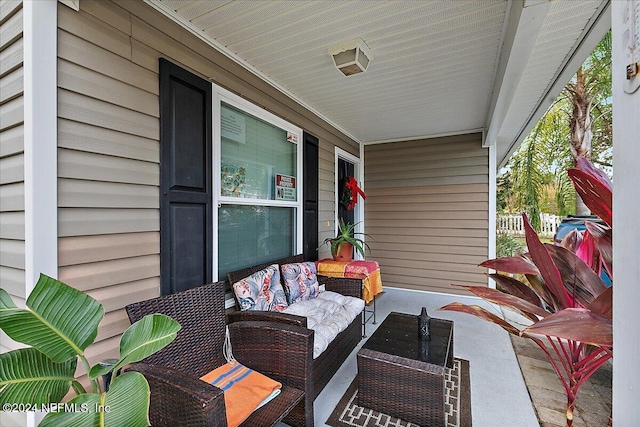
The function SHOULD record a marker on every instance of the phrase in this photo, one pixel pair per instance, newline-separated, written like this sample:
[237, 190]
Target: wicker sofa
[326, 364]
[180, 398]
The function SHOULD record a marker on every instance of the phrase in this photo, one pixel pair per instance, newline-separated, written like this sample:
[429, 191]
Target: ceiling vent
[352, 57]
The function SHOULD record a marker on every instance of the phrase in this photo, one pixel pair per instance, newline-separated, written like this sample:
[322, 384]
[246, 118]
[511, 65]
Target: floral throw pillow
[261, 291]
[301, 281]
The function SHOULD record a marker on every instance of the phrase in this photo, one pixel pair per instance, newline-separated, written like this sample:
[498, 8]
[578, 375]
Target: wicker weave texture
[401, 387]
[326, 365]
[180, 398]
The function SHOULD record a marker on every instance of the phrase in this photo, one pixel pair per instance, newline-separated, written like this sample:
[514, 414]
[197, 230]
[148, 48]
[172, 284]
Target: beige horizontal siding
[91, 139]
[11, 58]
[12, 225]
[12, 197]
[108, 139]
[96, 167]
[12, 254]
[113, 324]
[12, 169]
[81, 108]
[97, 194]
[8, 8]
[11, 85]
[87, 249]
[427, 211]
[12, 218]
[12, 113]
[92, 276]
[13, 279]
[11, 25]
[118, 296]
[87, 221]
[79, 51]
[12, 141]
[76, 78]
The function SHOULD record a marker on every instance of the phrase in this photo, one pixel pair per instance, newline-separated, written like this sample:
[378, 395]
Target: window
[257, 185]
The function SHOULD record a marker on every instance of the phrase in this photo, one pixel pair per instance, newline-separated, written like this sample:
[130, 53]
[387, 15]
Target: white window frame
[222, 95]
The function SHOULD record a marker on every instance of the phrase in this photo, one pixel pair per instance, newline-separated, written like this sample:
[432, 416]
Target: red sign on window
[285, 187]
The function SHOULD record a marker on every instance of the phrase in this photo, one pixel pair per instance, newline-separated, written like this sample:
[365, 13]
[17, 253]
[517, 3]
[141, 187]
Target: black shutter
[310, 197]
[186, 228]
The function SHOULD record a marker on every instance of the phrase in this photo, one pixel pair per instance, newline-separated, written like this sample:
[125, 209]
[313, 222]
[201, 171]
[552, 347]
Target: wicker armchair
[180, 398]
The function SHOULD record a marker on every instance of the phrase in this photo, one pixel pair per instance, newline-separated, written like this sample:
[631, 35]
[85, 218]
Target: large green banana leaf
[62, 321]
[28, 376]
[145, 337]
[125, 404]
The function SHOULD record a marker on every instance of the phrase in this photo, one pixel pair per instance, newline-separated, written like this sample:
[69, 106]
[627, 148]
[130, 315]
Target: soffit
[560, 32]
[434, 66]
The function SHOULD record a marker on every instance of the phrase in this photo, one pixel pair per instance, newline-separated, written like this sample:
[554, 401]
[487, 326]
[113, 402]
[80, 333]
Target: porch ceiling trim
[592, 34]
[520, 38]
[189, 26]
[430, 136]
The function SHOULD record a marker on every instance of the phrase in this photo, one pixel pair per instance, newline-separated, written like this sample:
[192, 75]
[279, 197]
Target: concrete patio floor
[499, 397]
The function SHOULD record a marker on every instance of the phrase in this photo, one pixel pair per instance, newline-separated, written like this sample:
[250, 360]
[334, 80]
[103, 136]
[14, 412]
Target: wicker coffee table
[394, 380]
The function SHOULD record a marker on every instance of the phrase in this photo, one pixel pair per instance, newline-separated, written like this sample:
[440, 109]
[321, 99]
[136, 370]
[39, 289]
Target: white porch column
[626, 244]
[40, 145]
[40, 140]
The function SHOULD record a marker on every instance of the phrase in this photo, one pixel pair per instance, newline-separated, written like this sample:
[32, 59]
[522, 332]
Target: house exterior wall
[108, 147]
[12, 188]
[12, 217]
[427, 210]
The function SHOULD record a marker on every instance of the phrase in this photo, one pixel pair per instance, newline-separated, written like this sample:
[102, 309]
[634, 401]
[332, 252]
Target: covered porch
[451, 90]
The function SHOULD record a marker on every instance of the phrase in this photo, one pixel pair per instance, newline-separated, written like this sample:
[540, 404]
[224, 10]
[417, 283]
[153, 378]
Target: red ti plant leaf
[603, 238]
[548, 270]
[506, 300]
[587, 251]
[595, 189]
[572, 240]
[603, 304]
[514, 265]
[516, 288]
[577, 324]
[542, 291]
[578, 278]
[483, 314]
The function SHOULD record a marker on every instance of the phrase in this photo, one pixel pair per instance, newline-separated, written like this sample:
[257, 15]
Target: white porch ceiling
[439, 66]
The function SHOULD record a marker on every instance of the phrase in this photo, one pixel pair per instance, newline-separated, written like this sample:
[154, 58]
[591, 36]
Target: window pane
[250, 235]
[253, 152]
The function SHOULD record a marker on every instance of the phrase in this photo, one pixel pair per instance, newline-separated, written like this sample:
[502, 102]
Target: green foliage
[560, 291]
[346, 234]
[508, 245]
[536, 171]
[59, 324]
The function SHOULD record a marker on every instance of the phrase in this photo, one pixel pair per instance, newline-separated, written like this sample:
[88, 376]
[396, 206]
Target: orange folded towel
[245, 390]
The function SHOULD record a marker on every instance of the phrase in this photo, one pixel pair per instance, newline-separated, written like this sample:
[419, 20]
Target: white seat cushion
[327, 315]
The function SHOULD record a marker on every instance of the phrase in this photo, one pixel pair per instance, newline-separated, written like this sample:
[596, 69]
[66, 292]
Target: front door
[347, 166]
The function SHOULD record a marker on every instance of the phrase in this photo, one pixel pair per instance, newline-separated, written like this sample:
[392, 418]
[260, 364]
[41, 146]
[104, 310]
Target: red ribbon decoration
[352, 185]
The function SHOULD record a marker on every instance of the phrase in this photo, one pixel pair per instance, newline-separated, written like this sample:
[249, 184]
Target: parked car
[577, 222]
[573, 222]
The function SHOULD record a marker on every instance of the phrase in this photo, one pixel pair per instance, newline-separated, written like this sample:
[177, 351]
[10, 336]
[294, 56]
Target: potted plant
[343, 244]
[59, 324]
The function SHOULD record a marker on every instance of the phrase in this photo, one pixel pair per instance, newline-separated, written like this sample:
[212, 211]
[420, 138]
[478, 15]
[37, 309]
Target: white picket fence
[514, 225]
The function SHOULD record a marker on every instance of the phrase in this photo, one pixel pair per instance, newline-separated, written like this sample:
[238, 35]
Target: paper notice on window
[232, 126]
[285, 187]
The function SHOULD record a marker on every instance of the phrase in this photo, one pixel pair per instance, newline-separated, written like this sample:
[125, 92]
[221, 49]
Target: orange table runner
[368, 271]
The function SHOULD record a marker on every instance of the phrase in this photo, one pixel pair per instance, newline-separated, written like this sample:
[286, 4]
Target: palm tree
[578, 123]
[589, 89]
